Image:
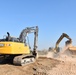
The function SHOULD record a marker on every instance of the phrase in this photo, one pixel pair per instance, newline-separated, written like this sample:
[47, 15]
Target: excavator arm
[29, 30]
[60, 39]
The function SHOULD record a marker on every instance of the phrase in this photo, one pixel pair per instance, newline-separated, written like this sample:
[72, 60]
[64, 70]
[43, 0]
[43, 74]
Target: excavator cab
[9, 38]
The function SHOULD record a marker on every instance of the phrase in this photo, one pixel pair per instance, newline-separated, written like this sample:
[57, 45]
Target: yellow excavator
[56, 49]
[70, 49]
[17, 50]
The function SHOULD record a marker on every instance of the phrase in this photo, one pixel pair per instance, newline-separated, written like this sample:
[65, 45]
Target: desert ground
[42, 66]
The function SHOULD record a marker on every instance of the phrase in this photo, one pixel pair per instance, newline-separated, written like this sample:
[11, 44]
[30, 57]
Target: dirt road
[43, 66]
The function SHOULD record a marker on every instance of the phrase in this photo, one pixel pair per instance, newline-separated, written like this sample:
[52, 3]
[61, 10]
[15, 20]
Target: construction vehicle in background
[68, 49]
[55, 52]
[17, 50]
[56, 49]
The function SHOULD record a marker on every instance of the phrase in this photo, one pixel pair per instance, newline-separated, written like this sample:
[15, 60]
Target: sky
[53, 17]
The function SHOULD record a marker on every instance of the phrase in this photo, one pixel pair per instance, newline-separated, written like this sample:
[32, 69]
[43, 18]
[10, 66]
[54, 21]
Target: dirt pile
[40, 67]
[64, 53]
[67, 65]
[43, 66]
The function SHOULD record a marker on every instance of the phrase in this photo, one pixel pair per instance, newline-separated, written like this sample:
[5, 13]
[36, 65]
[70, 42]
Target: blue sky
[52, 16]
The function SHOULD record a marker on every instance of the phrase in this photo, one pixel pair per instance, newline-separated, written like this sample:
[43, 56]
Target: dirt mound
[64, 53]
[40, 67]
[67, 66]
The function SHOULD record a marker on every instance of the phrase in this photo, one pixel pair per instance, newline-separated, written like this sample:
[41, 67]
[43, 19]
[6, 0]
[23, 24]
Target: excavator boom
[29, 30]
[60, 39]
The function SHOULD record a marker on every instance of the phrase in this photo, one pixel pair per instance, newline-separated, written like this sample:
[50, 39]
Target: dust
[65, 50]
[64, 55]
[67, 65]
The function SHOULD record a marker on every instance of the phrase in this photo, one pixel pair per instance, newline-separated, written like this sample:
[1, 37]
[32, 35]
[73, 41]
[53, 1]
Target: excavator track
[23, 60]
